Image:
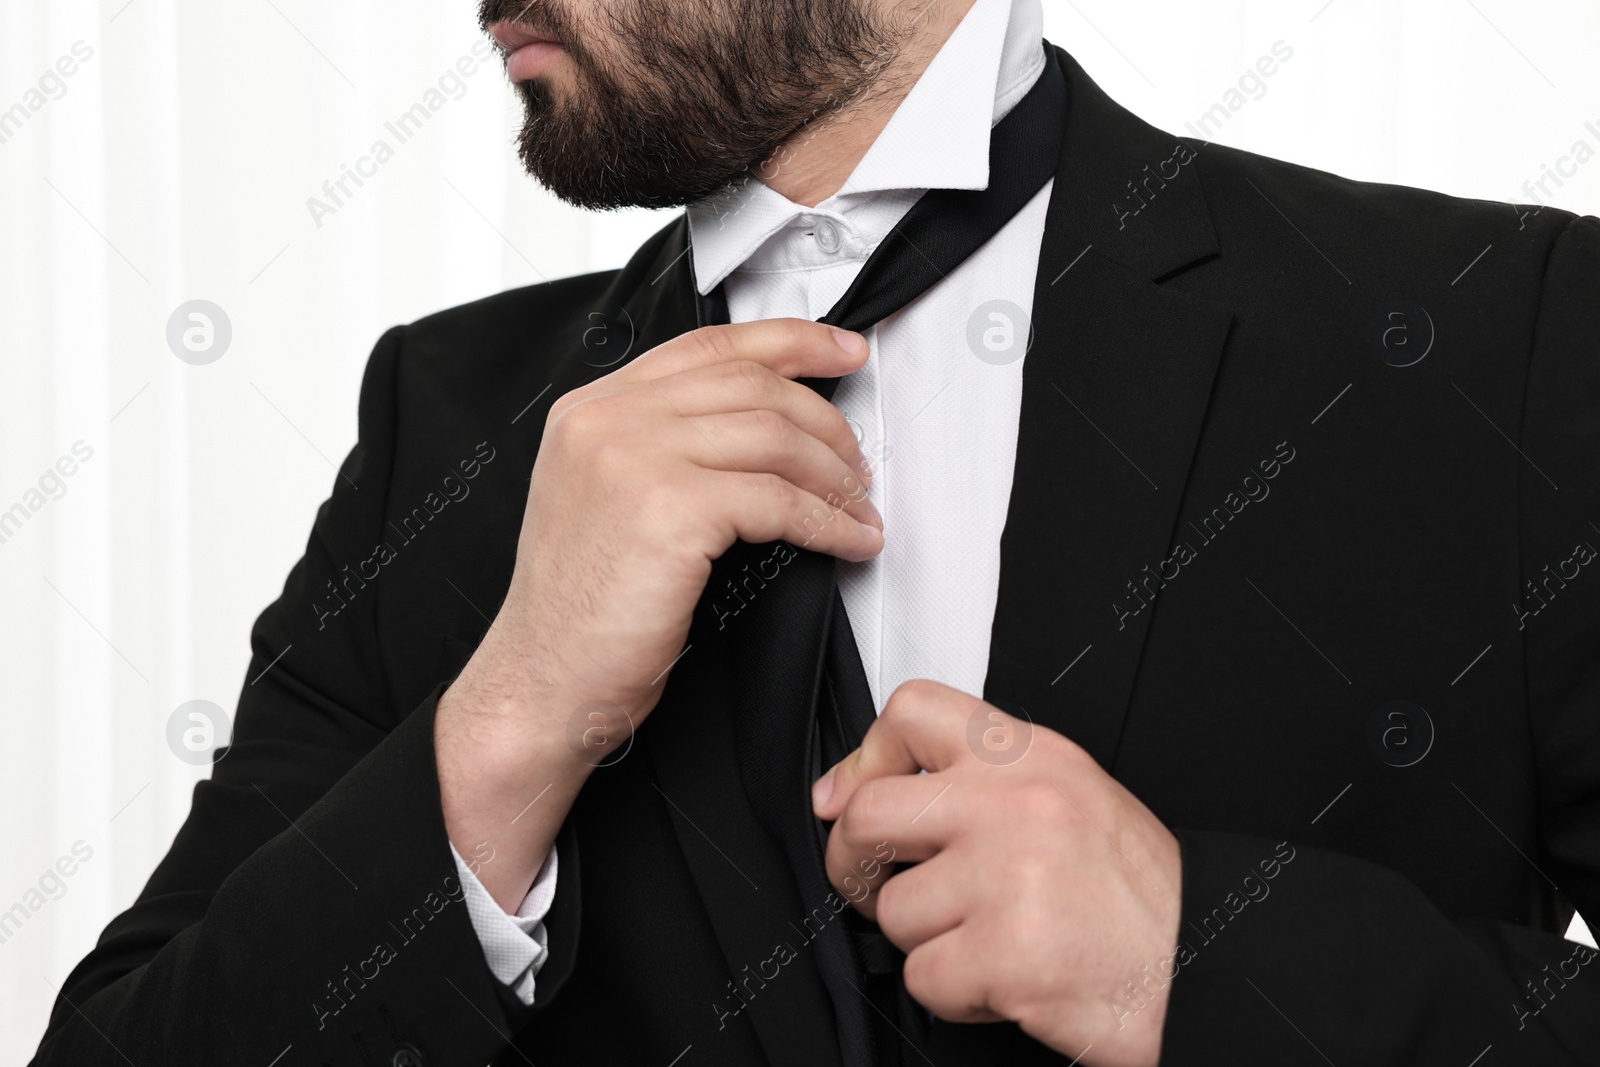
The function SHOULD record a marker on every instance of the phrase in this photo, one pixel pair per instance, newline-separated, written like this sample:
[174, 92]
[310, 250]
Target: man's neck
[815, 163]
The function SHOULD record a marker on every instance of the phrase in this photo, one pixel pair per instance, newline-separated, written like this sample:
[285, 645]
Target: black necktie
[798, 659]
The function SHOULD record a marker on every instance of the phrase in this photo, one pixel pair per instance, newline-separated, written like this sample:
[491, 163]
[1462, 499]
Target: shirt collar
[938, 138]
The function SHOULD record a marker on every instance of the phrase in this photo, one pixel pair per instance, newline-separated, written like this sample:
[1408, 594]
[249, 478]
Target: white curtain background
[174, 163]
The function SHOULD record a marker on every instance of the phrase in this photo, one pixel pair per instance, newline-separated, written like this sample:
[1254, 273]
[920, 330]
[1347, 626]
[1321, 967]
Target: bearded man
[995, 584]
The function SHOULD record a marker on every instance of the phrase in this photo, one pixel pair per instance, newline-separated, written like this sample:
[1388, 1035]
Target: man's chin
[600, 161]
[610, 189]
[573, 167]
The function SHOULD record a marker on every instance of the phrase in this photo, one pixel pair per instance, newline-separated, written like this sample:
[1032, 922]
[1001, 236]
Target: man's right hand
[643, 478]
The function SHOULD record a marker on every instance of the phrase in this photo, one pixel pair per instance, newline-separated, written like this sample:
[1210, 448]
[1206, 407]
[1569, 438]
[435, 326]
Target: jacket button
[407, 1056]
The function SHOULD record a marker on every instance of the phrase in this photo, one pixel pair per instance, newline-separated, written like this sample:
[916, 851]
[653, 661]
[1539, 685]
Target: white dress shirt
[936, 405]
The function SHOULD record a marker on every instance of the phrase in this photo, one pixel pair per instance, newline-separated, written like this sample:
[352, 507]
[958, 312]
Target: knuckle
[910, 700]
[1073, 752]
[781, 497]
[561, 406]
[897, 709]
[755, 379]
[773, 427]
[787, 495]
[715, 343]
[861, 822]
[799, 334]
[581, 422]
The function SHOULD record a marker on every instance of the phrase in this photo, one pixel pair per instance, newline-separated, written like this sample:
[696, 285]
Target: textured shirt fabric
[936, 405]
[515, 946]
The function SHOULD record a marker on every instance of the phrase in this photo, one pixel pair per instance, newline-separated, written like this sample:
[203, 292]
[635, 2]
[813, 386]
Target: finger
[923, 727]
[899, 819]
[761, 507]
[920, 903]
[749, 441]
[945, 975]
[792, 348]
[883, 825]
[745, 385]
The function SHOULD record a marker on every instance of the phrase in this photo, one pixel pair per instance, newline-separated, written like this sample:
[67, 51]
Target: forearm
[508, 773]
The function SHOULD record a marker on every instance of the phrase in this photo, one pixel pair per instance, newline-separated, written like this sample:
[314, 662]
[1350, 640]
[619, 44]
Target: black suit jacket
[1333, 618]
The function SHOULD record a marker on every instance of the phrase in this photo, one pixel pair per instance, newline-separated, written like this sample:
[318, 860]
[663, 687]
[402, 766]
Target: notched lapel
[1115, 392]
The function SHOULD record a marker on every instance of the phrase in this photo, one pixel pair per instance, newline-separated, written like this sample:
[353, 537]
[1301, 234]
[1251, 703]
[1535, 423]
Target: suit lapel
[1114, 396]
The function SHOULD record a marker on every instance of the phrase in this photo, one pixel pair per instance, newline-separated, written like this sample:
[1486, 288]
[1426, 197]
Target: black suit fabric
[1298, 549]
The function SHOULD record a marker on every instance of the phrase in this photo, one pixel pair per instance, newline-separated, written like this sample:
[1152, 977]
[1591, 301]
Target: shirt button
[828, 238]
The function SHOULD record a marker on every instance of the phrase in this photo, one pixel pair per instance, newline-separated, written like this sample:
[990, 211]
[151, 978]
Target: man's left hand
[1042, 887]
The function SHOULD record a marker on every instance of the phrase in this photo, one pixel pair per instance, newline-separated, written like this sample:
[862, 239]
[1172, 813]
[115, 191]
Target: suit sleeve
[1349, 962]
[310, 901]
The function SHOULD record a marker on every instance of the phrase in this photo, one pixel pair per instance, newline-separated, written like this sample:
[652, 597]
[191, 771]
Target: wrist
[506, 782]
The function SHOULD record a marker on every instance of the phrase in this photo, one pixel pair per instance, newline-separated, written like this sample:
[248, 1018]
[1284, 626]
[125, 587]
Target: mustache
[540, 16]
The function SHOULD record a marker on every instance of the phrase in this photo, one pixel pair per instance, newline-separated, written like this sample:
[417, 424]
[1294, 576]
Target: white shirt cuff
[515, 946]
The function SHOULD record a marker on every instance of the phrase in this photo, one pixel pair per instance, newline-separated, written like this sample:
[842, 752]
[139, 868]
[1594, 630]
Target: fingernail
[853, 343]
[875, 515]
[875, 542]
[821, 790]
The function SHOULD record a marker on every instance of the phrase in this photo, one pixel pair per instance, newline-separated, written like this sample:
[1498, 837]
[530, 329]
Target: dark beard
[692, 95]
